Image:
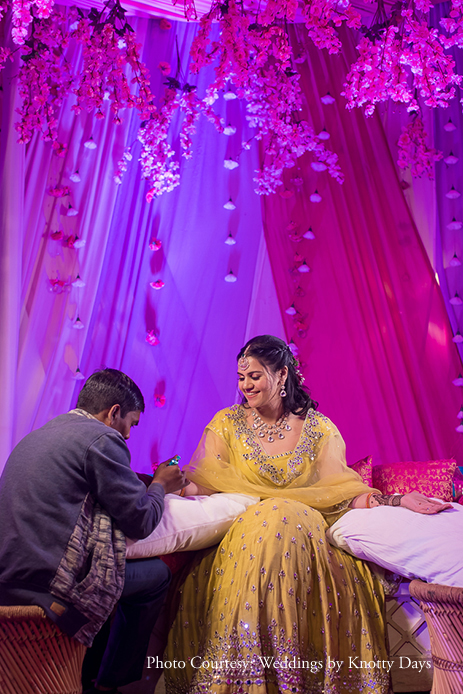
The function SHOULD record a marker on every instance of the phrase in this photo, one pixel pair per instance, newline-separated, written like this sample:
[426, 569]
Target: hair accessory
[300, 377]
[243, 362]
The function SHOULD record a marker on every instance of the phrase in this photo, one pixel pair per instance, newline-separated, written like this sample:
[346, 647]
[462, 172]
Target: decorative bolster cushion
[364, 468]
[432, 478]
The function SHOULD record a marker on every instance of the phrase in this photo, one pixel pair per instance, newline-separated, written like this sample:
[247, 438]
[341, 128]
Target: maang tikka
[243, 362]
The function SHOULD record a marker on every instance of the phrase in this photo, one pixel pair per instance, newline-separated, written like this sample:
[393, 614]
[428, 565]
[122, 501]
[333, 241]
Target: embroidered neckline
[308, 440]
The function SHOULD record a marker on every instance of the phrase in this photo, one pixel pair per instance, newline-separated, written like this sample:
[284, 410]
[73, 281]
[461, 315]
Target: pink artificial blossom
[159, 284]
[155, 245]
[454, 26]
[69, 242]
[59, 148]
[58, 286]
[22, 16]
[3, 8]
[151, 338]
[59, 191]
[164, 67]
[321, 18]
[5, 53]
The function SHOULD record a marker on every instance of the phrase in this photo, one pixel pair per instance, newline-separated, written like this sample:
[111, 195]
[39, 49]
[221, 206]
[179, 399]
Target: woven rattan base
[443, 609]
[35, 656]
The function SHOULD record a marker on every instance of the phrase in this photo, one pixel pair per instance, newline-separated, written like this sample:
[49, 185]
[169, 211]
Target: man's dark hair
[109, 387]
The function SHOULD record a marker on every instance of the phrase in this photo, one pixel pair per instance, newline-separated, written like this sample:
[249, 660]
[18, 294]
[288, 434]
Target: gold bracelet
[182, 493]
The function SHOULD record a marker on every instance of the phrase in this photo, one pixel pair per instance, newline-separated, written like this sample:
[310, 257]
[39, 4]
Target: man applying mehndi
[68, 498]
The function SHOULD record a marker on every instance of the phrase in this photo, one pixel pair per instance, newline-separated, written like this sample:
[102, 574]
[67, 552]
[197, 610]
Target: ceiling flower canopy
[400, 57]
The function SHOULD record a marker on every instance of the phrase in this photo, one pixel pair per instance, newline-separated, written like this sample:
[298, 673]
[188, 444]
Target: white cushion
[411, 544]
[192, 522]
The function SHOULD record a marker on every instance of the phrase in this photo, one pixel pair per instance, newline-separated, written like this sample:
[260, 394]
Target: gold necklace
[270, 430]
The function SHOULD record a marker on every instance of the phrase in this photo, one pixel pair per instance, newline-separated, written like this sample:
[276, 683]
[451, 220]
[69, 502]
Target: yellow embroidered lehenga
[274, 608]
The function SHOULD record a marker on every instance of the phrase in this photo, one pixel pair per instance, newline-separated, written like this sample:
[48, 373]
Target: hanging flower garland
[45, 78]
[453, 25]
[5, 53]
[400, 58]
[254, 55]
[156, 154]
[414, 152]
[109, 46]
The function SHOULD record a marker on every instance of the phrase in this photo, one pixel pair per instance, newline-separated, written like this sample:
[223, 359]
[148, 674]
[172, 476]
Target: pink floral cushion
[364, 468]
[432, 478]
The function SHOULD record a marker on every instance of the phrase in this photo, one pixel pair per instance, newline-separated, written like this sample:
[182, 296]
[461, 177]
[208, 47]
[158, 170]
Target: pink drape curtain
[378, 351]
[449, 241]
[427, 199]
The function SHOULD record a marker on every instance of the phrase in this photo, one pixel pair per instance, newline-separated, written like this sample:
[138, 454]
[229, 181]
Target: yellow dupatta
[229, 458]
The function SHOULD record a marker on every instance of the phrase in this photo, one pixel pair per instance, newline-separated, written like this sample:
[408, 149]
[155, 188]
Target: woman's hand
[414, 501]
[193, 489]
[421, 504]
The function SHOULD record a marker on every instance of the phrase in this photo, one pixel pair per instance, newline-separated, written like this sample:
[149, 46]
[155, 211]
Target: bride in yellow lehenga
[274, 608]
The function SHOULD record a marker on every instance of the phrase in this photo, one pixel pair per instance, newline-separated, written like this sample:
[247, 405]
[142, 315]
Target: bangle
[368, 499]
[182, 493]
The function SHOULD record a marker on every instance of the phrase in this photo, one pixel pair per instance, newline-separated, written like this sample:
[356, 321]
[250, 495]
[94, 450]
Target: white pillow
[191, 522]
[407, 543]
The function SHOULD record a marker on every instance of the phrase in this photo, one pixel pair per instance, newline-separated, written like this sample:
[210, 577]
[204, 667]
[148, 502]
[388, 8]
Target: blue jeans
[119, 650]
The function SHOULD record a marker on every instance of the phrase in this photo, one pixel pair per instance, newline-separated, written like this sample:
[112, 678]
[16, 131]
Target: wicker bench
[443, 610]
[35, 656]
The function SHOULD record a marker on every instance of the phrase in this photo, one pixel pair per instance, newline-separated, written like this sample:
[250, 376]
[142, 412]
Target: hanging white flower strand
[122, 165]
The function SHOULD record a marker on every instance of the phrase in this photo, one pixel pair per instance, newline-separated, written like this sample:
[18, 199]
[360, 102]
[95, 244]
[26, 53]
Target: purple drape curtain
[11, 243]
[200, 319]
[378, 348]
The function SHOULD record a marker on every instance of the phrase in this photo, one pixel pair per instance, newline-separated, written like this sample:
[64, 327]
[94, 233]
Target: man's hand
[170, 476]
[421, 504]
